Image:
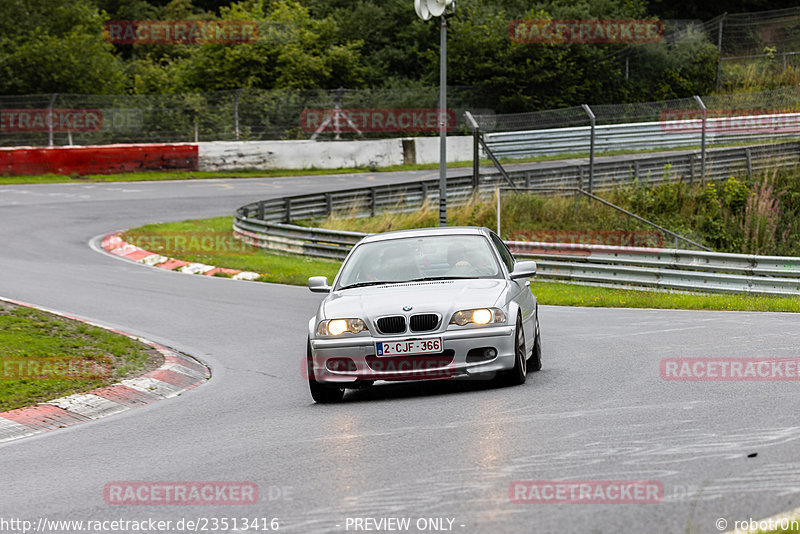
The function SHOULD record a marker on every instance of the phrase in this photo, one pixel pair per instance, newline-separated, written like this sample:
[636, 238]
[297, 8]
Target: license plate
[408, 347]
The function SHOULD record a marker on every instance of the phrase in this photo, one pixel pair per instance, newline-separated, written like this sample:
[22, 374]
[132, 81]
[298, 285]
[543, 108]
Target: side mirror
[319, 284]
[524, 269]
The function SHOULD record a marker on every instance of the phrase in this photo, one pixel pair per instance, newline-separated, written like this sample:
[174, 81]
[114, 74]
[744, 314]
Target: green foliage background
[57, 46]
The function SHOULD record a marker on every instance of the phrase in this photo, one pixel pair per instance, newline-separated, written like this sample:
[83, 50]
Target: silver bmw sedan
[426, 304]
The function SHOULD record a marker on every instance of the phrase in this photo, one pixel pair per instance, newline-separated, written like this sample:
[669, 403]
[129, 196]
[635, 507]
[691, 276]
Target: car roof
[426, 232]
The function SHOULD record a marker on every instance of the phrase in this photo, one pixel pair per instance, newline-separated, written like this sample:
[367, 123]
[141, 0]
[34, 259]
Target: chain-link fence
[244, 114]
[63, 119]
[748, 112]
[756, 46]
[752, 47]
[722, 120]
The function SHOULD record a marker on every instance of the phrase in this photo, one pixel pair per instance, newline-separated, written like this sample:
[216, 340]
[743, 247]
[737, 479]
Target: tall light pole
[425, 10]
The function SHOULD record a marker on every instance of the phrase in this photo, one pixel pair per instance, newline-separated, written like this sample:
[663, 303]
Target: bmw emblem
[408, 308]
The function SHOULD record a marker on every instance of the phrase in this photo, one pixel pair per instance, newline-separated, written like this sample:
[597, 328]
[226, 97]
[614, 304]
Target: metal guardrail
[678, 166]
[265, 223]
[555, 175]
[637, 267]
[292, 239]
[644, 135]
[712, 272]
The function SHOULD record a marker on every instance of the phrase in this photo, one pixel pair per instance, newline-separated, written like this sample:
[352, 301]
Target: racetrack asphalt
[598, 410]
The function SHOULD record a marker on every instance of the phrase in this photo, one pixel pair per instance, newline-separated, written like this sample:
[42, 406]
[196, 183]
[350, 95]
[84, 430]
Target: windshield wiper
[373, 283]
[424, 279]
[434, 278]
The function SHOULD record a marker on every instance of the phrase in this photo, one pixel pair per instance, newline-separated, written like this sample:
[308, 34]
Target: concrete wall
[221, 155]
[459, 148]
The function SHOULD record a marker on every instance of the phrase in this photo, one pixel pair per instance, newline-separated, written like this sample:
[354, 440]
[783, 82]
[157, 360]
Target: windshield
[420, 258]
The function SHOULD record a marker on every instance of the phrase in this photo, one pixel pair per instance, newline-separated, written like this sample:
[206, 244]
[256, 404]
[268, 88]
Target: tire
[535, 361]
[519, 373]
[321, 393]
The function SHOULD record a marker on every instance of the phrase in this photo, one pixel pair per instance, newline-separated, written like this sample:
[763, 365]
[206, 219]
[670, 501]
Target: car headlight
[337, 327]
[479, 316]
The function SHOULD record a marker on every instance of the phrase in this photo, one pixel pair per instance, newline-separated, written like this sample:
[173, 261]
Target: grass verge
[187, 241]
[295, 270]
[45, 356]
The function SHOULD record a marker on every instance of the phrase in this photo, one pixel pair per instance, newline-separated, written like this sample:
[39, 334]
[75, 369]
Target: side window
[505, 254]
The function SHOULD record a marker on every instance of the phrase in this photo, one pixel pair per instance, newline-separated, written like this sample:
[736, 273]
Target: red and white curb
[114, 244]
[178, 374]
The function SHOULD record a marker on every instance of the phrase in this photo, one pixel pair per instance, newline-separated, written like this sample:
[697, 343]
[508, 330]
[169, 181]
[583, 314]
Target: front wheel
[321, 393]
[535, 361]
[519, 373]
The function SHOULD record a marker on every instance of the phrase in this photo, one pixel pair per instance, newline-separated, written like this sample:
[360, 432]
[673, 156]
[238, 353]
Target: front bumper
[352, 359]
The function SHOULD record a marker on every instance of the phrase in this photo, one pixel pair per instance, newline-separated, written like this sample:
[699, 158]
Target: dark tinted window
[412, 258]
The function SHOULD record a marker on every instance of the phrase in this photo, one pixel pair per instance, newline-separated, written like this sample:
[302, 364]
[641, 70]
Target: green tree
[55, 46]
[395, 40]
[293, 50]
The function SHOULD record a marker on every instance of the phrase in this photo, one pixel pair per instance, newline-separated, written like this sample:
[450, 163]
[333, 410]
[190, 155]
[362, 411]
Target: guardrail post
[591, 145]
[636, 170]
[749, 160]
[372, 195]
[476, 148]
[328, 204]
[691, 168]
[703, 134]
[424, 191]
[287, 206]
[260, 212]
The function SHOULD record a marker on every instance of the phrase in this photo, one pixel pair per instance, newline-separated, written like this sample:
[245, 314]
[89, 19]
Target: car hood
[444, 297]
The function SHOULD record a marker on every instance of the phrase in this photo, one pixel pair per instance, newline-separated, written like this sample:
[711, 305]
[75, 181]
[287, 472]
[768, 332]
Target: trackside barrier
[106, 159]
[637, 267]
[688, 270]
[644, 135]
[266, 223]
[410, 196]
